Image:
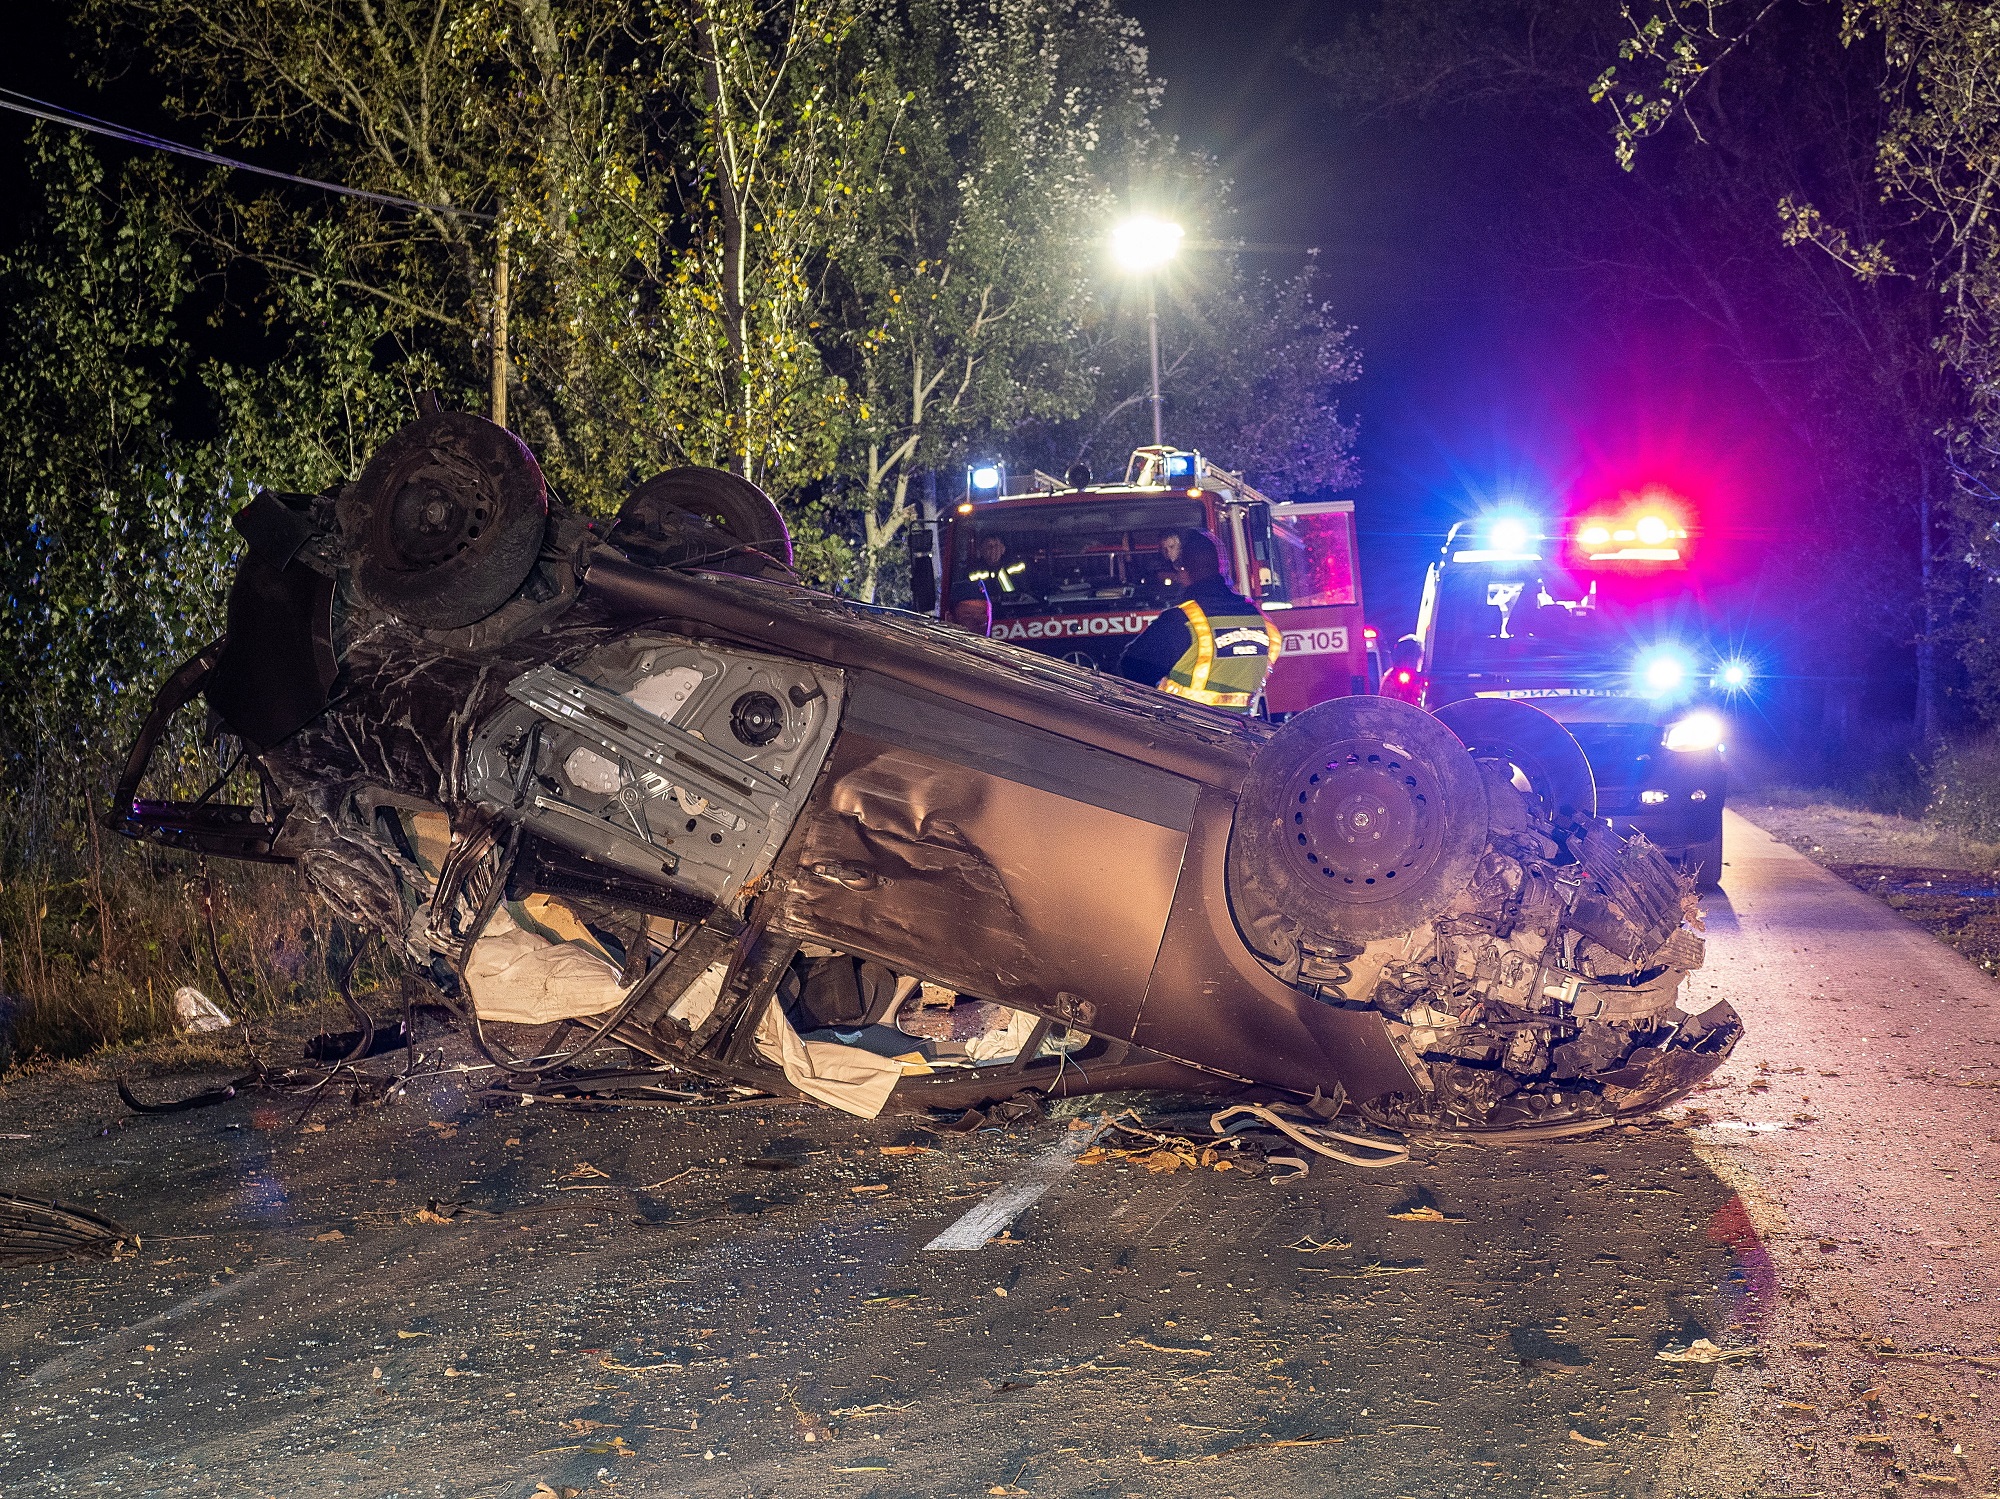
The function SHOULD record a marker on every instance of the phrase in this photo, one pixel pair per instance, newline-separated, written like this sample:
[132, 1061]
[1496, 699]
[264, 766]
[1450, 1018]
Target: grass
[92, 948]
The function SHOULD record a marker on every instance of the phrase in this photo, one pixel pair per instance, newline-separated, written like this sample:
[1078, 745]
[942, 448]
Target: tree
[635, 204]
[960, 290]
[104, 513]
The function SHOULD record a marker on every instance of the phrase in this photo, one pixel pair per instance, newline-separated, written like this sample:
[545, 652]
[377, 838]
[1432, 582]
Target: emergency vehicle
[1078, 571]
[1599, 625]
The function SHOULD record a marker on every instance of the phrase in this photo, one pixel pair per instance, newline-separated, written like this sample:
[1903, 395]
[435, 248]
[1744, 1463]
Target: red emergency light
[1648, 529]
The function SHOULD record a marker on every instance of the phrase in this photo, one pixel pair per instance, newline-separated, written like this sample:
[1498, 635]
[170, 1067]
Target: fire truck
[1600, 624]
[1076, 571]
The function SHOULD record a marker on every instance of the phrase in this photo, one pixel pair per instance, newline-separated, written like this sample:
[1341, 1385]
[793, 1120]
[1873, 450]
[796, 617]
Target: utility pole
[1153, 337]
[1143, 245]
[496, 405]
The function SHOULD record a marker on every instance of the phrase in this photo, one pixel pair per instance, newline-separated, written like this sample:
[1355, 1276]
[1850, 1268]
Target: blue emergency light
[984, 481]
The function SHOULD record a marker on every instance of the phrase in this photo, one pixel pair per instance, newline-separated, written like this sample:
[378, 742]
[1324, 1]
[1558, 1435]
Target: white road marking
[1005, 1204]
[117, 1339]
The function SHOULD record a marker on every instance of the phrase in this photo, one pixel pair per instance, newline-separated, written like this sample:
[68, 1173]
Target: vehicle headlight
[1733, 675]
[1698, 731]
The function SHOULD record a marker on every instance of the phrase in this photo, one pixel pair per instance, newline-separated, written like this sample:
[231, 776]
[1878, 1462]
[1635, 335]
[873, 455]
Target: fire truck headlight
[986, 476]
[1662, 672]
[1698, 731]
[1733, 676]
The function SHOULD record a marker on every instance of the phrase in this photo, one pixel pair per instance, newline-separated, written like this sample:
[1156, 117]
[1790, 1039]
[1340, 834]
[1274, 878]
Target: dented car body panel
[644, 747]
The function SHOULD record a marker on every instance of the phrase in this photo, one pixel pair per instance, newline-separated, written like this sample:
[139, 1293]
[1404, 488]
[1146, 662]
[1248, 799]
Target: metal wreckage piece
[635, 779]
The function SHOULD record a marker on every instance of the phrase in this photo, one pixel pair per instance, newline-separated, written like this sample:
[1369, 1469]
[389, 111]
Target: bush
[1965, 789]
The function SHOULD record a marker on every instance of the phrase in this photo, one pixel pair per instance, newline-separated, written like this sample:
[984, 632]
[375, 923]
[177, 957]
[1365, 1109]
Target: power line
[56, 115]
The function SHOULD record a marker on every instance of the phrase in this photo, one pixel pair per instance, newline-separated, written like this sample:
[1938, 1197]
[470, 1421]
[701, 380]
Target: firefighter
[1003, 579]
[1215, 647]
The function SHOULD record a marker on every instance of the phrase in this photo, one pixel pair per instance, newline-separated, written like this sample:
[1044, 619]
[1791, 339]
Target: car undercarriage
[627, 798]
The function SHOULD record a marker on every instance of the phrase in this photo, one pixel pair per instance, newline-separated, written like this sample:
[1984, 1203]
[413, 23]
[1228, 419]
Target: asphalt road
[740, 1303]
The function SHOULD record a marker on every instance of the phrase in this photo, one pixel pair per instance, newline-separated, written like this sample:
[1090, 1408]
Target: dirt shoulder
[1829, 834]
[1947, 884]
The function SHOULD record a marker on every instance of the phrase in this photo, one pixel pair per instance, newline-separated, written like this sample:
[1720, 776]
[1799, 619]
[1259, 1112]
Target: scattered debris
[1425, 1213]
[35, 1232]
[1310, 1245]
[195, 1011]
[1583, 1441]
[1702, 1351]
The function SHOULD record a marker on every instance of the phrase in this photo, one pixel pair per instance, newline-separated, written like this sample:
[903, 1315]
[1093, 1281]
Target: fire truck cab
[1077, 571]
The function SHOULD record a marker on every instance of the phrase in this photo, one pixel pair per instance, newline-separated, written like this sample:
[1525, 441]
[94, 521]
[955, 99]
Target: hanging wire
[55, 114]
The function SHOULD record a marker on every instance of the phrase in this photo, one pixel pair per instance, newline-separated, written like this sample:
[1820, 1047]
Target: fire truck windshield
[1079, 556]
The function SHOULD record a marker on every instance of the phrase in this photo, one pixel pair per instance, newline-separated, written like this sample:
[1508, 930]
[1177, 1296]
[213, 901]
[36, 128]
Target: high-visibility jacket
[1227, 661]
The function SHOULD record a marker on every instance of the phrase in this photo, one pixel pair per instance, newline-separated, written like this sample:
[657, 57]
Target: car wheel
[1530, 742]
[724, 500]
[446, 521]
[1705, 860]
[1361, 817]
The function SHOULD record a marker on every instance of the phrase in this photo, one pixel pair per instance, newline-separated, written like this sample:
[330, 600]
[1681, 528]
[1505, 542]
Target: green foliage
[1938, 86]
[961, 289]
[114, 542]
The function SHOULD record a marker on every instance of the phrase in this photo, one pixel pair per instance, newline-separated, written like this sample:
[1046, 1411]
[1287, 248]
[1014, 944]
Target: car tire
[1360, 818]
[446, 521]
[1530, 741]
[724, 500]
[1705, 860]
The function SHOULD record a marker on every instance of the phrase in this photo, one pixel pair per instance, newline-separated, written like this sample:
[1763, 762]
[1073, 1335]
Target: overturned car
[630, 785]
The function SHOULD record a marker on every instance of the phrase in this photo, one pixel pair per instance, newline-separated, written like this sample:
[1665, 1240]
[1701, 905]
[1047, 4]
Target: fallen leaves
[605, 1361]
[1702, 1351]
[1169, 1348]
[1424, 1213]
[908, 1150]
[331, 1236]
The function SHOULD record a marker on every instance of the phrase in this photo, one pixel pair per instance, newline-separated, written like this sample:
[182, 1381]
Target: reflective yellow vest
[1227, 663]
